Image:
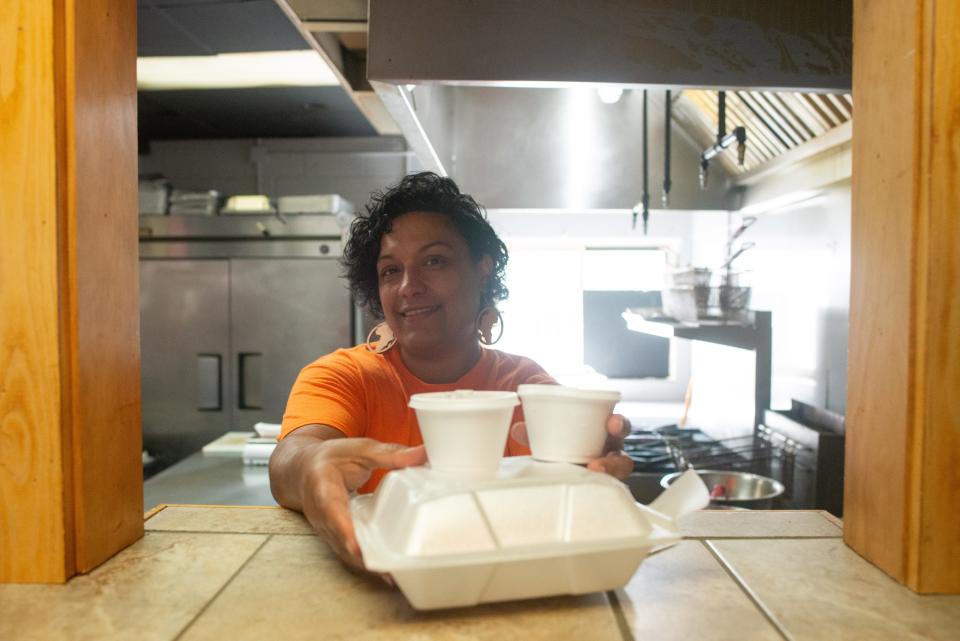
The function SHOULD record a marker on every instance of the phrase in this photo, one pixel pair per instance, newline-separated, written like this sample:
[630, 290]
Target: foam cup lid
[564, 392]
[465, 400]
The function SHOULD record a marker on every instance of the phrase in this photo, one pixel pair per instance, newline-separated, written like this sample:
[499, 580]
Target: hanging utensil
[724, 140]
[644, 204]
[646, 169]
[747, 222]
[666, 152]
[725, 268]
[744, 247]
[687, 399]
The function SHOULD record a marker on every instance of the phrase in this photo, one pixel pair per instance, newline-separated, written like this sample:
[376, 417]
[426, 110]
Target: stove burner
[649, 450]
[671, 448]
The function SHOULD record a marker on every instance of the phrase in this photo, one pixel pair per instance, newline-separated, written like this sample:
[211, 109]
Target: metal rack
[755, 453]
[754, 334]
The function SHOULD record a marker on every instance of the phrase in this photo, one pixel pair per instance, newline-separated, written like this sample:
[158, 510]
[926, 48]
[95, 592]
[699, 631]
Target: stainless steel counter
[209, 480]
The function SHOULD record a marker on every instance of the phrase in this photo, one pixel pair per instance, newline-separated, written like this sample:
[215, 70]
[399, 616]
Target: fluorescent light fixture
[782, 204]
[301, 68]
[579, 136]
[609, 94]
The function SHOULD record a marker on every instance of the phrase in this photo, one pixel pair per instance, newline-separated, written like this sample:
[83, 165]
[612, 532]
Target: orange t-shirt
[365, 394]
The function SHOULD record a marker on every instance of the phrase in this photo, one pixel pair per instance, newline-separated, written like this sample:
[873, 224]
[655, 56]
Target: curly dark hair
[427, 192]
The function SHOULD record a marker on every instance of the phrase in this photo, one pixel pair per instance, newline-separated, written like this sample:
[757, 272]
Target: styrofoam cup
[465, 431]
[565, 423]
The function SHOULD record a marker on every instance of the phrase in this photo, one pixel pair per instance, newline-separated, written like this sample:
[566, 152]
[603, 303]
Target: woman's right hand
[316, 475]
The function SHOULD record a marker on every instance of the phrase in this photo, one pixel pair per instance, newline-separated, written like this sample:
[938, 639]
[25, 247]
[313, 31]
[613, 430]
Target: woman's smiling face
[430, 285]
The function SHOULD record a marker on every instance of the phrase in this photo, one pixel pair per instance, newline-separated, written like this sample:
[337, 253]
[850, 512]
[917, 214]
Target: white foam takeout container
[536, 529]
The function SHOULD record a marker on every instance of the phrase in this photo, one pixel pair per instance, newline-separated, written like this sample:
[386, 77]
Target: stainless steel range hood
[503, 98]
[550, 148]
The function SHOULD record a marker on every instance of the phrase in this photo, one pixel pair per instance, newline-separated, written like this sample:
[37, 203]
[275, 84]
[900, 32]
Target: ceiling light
[784, 203]
[303, 68]
[609, 94]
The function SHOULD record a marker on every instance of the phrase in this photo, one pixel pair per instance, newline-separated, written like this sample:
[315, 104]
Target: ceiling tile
[250, 113]
[179, 28]
[337, 10]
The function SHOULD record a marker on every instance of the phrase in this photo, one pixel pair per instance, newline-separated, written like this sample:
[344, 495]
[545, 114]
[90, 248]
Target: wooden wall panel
[70, 473]
[880, 303]
[106, 410]
[902, 487]
[32, 509]
[936, 532]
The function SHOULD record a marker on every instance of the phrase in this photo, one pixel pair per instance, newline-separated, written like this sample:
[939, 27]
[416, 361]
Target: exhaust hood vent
[776, 122]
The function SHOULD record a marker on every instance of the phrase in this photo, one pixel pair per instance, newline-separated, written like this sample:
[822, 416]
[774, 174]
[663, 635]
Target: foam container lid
[536, 529]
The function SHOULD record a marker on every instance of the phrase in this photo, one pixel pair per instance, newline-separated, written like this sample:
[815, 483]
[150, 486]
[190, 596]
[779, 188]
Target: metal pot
[735, 489]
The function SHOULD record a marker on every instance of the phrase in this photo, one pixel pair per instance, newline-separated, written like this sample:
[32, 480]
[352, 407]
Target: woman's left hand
[613, 462]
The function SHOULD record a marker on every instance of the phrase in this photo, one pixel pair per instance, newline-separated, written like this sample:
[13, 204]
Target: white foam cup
[565, 423]
[465, 431]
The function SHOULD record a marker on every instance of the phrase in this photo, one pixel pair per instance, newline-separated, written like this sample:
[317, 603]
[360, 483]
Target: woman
[426, 260]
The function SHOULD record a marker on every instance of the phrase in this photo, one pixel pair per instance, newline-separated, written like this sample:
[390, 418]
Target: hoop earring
[385, 339]
[485, 327]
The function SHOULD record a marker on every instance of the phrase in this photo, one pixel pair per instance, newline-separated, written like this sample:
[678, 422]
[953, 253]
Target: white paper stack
[247, 204]
[257, 451]
[153, 196]
[230, 445]
[202, 203]
[312, 204]
[267, 430]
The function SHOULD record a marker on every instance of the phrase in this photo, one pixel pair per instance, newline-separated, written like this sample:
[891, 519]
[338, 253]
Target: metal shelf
[743, 335]
[227, 227]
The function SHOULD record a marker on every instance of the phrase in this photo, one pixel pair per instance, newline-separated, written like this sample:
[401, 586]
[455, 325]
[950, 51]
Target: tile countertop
[259, 573]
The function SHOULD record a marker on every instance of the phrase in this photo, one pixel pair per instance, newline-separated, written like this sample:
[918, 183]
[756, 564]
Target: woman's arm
[614, 461]
[315, 468]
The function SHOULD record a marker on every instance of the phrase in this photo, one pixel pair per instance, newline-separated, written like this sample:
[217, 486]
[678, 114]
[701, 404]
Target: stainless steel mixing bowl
[740, 489]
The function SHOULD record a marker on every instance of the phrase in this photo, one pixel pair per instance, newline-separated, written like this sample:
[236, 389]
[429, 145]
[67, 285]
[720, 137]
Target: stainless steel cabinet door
[284, 313]
[184, 335]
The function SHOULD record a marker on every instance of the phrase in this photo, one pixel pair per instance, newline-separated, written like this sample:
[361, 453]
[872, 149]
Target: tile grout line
[152, 512]
[748, 592]
[831, 518]
[620, 617]
[762, 538]
[220, 506]
[223, 587]
[232, 532]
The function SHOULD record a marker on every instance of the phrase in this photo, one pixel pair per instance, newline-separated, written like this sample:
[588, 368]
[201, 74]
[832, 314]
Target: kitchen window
[564, 312]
